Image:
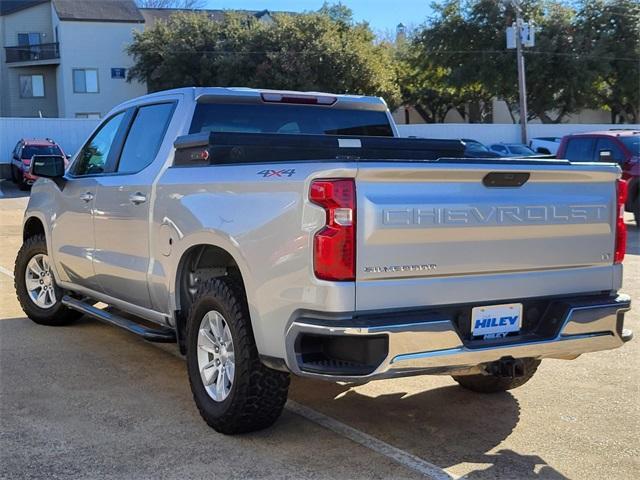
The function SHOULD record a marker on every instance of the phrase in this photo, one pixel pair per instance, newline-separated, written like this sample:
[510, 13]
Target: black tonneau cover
[241, 148]
[230, 148]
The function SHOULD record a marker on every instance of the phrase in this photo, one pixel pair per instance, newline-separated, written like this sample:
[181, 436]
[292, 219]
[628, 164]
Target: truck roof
[622, 132]
[201, 92]
[38, 141]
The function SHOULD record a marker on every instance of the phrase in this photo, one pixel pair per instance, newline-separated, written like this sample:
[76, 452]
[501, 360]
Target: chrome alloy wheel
[39, 281]
[216, 358]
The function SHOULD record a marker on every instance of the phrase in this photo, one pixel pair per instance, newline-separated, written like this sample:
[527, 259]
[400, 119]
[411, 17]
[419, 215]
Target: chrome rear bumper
[435, 347]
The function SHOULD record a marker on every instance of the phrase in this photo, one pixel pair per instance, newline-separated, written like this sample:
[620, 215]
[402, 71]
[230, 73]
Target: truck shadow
[510, 464]
[446, 426]
[8, 189]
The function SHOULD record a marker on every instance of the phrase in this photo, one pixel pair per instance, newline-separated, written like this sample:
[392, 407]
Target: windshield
[31, 150]
[475, 146]
[632, 144]
[521, 150]
[258, 118]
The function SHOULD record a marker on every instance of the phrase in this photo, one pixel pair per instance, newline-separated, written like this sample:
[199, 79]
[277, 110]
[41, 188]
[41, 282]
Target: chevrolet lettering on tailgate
[501, 215]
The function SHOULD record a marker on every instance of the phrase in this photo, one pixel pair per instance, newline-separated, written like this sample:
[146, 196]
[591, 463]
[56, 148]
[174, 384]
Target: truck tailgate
[458, 225]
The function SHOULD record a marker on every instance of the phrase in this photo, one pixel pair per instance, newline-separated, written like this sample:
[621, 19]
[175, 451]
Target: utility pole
[522, 84]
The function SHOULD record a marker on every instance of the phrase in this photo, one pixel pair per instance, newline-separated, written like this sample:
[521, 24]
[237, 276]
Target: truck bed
[432, 228]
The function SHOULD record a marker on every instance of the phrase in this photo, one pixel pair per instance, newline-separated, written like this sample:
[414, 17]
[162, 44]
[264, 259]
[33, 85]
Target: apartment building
[66, 58]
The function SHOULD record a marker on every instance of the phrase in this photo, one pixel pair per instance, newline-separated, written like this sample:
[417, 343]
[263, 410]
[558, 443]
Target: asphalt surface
[92, 401]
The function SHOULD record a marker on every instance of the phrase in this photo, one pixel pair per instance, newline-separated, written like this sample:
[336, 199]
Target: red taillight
[334, 247]
[621, 228]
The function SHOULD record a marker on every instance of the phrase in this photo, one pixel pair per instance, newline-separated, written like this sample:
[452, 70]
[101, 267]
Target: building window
[91, 115]
[32, 38]
[31, 86]
[85, 80]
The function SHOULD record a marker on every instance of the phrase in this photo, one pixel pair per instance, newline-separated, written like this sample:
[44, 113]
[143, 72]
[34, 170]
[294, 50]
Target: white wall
[587, 116]
[501, 115]
[103, 45]
[495, 133]
[70, 133]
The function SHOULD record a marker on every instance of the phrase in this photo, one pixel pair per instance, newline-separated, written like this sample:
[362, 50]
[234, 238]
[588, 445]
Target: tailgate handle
[505, 179]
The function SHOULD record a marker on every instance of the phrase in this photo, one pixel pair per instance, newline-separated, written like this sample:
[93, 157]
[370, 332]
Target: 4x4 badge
[277, 173]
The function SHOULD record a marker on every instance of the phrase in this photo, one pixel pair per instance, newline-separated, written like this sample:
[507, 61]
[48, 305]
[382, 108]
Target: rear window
[296, 119]
[580, 149]
[31, 150]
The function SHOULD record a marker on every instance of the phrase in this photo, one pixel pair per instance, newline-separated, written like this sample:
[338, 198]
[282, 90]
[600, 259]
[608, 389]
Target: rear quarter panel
[265, 222]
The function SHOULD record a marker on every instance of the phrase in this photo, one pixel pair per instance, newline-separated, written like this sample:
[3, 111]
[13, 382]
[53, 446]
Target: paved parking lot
[91, 401]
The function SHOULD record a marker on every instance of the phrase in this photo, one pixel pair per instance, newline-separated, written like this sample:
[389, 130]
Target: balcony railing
[32, 53]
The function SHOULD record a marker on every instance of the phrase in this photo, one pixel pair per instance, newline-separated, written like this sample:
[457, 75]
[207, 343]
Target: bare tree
[187, 4]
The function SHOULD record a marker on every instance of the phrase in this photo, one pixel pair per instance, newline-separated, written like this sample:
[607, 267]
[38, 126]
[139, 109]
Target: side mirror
[47, 166]
[67, 156]
[605, 156]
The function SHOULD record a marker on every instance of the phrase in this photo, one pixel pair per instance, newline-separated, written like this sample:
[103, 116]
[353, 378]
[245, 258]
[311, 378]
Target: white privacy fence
[69, 133]
[499, 132]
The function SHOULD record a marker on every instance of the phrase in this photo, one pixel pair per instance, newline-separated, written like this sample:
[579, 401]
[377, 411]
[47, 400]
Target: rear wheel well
[33, 226]
[197, 265]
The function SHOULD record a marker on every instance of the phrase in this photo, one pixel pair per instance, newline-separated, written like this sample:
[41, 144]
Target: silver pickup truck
[269, 233]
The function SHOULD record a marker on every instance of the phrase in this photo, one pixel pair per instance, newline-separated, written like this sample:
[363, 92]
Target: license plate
[495, 321]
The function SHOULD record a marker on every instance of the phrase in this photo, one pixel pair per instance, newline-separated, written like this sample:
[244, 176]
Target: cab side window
[580, 149]
[617, 155]
[499, 148]
[93, 157]
[145, 137]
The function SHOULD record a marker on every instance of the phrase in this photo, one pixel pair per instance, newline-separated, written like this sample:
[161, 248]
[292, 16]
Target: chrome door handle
[87, 197]
[137, 198]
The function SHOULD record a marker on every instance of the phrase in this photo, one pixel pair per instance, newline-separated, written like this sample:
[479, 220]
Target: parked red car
[22, 154]
[620, 146]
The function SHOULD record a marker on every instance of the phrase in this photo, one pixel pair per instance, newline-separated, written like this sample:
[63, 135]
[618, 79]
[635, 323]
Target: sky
[383, 15]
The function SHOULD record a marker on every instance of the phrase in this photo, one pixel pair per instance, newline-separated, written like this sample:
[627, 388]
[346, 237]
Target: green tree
[556, 81]
[610, 32]
[458, 50]
[338, 12]
[322, 51]
[425, 84]
[465, 42]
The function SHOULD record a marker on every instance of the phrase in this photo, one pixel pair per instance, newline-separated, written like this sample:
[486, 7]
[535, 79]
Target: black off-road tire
[258, 393]
[493, 383]
[56, 315]
[22, 182]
